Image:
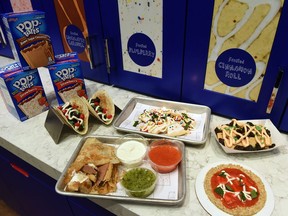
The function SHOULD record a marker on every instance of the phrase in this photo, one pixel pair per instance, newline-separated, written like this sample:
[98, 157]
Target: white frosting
[275, 5]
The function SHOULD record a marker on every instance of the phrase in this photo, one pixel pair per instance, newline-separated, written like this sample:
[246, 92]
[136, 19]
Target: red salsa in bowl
[164, 155]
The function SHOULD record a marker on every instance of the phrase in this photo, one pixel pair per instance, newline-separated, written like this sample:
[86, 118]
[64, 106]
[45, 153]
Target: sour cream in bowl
[132, 150]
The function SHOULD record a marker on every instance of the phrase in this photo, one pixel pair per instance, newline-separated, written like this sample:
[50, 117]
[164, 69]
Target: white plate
[212, 209]
[275, 136]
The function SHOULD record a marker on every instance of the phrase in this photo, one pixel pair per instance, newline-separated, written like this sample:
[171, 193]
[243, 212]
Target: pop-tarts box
[29, 40]
[67, 77]
[22, 91]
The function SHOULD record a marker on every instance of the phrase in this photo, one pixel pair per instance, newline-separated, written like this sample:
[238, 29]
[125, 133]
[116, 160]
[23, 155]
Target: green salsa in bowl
[139, 182]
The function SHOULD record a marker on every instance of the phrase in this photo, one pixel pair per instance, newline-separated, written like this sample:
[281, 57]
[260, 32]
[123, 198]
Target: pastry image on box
[38, 54]
[33, 105]
[67, 77]
[67, 93]
[246, 29]
[28, 37]
[22, 92]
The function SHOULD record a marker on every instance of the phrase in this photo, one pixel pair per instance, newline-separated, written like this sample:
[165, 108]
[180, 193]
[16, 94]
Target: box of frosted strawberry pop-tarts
[67, 77]
[22, 91]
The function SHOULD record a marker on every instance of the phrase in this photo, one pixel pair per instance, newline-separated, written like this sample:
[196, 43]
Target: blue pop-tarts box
[67, 77]
[29, 40]
[22, 91]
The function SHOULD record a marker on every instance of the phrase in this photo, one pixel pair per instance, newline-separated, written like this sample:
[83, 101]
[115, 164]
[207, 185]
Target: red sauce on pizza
[234, 188]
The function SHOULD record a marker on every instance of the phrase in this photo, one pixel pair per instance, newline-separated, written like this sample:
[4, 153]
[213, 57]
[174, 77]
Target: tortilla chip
[96, 153]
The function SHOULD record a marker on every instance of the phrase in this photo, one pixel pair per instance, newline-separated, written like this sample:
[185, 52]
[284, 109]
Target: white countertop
[30, 141]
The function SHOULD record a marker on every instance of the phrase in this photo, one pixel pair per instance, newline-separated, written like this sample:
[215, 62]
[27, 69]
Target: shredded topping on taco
[73, 115]
[101, 111]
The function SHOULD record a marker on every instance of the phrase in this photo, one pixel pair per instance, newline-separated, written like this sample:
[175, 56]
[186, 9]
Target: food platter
[162, 193]
[275, 136]
[137, 105]
[212, 209]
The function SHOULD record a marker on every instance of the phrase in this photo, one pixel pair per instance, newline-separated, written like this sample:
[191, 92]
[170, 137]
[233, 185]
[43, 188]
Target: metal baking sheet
[112, 140]
[190, 108]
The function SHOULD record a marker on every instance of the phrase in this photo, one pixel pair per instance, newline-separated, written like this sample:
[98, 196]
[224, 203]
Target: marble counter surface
[30, 141]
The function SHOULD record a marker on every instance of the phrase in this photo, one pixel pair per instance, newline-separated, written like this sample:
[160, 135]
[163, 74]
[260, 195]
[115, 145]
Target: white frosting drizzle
[275, 5]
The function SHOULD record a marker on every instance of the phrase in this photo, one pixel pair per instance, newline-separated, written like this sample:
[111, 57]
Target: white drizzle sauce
[69, 115]
[246, 193]
[99, 113]
[275, 6]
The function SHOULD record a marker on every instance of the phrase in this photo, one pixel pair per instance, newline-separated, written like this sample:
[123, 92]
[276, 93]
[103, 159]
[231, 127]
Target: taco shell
[82, 108]
[105, 103]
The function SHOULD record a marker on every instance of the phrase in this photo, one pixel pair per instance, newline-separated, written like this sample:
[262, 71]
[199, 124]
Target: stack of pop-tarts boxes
[20, 83]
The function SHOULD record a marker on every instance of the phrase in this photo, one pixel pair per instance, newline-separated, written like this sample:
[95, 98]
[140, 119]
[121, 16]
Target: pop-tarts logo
[66, 73]
[11, 67]
[29, 27]
[24, 83]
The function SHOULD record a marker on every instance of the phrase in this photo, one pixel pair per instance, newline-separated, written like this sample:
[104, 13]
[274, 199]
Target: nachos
[165, 121]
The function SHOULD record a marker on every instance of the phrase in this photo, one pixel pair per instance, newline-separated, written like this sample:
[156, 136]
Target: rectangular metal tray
[112, 140]
[191, 108]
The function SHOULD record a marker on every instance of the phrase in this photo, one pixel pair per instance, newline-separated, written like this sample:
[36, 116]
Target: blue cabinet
[31, 192]
[85, 207]
[6, 193]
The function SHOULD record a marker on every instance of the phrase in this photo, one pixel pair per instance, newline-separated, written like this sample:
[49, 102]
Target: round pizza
[235, 190]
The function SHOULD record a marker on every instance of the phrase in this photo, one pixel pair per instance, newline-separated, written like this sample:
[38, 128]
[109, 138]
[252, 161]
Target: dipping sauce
[164, 157]
[139, 182]
[131, 153]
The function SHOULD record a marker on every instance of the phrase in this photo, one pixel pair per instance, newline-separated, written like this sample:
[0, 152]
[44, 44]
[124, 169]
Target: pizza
[235, 190]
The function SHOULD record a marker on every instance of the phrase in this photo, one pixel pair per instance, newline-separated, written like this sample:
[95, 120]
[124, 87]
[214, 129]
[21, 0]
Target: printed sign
[141, 36]
[241, 40]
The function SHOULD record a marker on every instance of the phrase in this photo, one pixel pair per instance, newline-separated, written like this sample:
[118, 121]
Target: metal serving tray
[112, 140]
[190, 108]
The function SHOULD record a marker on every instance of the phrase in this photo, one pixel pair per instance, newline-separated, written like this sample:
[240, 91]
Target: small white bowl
[131, 150]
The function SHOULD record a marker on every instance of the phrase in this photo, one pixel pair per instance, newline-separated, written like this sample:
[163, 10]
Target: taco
[76, 114]
[101, 106]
